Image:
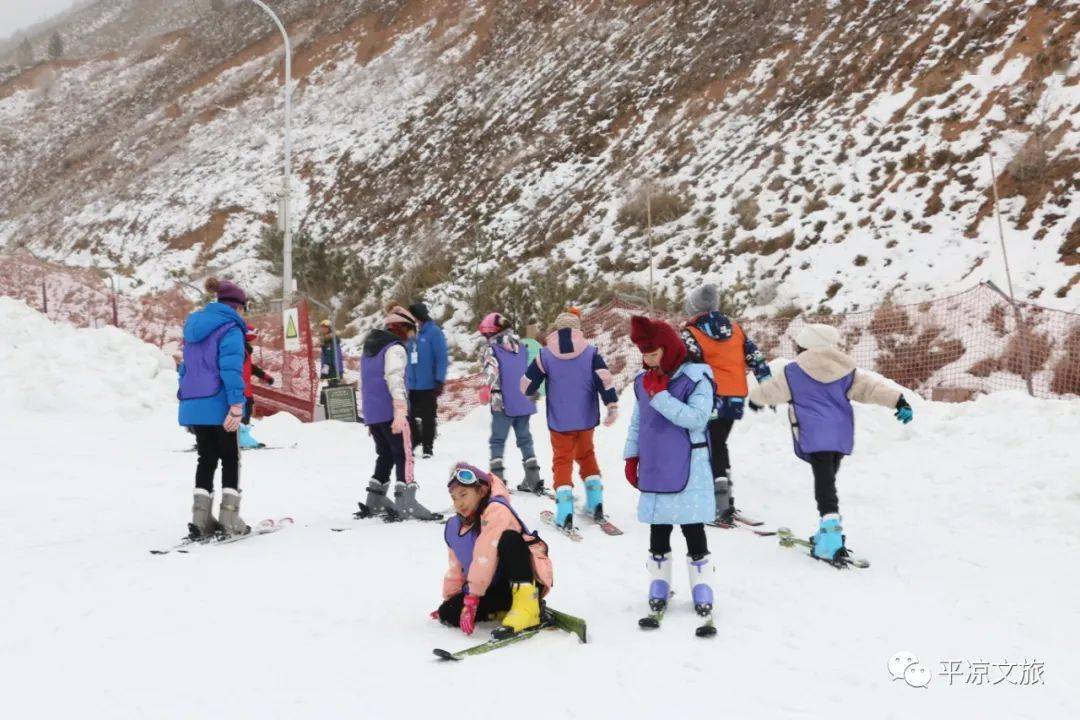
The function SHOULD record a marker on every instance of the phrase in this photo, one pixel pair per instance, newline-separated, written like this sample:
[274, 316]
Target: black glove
[269, 380]
[754, 406]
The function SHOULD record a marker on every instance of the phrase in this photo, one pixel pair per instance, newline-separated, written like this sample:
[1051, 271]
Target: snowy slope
[807, 153]
[971, 523]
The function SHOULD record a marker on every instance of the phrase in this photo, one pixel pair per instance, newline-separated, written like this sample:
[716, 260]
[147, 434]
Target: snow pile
[48, 367]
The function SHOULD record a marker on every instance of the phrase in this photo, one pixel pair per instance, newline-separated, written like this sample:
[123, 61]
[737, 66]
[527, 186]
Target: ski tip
[287, 520]
[648, 623]
[444, 654]
[705, 631]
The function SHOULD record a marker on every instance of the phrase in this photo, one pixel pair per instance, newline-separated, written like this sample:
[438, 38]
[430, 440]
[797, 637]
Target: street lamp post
[286, 224]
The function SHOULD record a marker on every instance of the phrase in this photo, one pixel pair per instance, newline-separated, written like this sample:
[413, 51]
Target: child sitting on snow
[667, 459]
[504, 364]
[496, 565]
[820, 385]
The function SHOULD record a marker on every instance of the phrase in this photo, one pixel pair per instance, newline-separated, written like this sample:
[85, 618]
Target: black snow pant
[515, 566]
[423, 408]
[697, 546]
[389, 452]
[825, 466]
[719, 429]
[213, 445]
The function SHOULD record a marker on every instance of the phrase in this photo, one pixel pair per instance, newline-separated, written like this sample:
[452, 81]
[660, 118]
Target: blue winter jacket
[428, 358]
[230, 356]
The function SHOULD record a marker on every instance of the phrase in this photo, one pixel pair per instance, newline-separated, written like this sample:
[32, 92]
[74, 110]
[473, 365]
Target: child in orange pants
[577, 380]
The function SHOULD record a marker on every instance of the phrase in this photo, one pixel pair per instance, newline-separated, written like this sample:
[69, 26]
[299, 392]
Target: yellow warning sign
[290, 322]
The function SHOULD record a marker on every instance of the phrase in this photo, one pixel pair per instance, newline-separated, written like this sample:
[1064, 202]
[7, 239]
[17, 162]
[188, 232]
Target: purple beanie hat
[228, 292]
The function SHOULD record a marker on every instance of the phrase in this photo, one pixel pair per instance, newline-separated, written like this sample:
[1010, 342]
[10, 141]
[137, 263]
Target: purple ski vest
[664, 448]
[824, 420]
[463, 545]
[572, 402]
[202, 377]
[377, 403]
[512, 367]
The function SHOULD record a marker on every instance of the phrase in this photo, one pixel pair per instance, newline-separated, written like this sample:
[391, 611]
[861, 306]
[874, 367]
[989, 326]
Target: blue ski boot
[829, 539]
[594, 496]
[564, 507]
[247, 442]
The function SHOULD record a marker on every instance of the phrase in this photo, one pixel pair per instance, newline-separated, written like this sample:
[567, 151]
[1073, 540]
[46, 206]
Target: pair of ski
[845, 559]
[598, 519]
[655, 618]
[391, 515]
[552, 620]
[265, 527]
[260, 446]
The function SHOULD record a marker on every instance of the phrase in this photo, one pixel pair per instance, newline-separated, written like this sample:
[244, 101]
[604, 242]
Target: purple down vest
[463, 545]
[512, 367]
[202, 377]
[377, 404]
[572, 401]
[664, 448]
[824, 420]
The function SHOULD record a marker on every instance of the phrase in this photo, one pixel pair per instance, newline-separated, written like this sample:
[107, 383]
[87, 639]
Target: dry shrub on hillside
[1066, 379]
[665, 205]
[911, 361]
[746, 210]
[1025, 353]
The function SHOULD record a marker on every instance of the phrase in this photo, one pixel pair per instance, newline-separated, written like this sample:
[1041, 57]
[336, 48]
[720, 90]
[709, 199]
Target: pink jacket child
[498, 569]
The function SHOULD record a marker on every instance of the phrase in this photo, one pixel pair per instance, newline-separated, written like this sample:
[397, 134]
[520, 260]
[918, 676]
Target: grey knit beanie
[703, 299]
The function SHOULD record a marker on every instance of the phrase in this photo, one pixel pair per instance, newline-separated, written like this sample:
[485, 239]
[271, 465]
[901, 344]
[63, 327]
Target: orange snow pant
[568, 448]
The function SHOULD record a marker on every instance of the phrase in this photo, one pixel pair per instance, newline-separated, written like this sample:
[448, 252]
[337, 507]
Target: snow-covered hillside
[969, 515]
[811, 153]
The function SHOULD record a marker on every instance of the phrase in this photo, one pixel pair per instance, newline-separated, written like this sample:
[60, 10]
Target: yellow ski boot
[524, 610]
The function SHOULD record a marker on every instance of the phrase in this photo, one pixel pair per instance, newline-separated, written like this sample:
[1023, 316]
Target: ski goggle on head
[466, 477]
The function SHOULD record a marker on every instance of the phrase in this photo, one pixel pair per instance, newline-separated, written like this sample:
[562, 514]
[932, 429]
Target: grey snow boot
[532, 483]
[229, 517]
[407, 506]
[725, 502]
[376, 502]
[203, 524]
[497, 468]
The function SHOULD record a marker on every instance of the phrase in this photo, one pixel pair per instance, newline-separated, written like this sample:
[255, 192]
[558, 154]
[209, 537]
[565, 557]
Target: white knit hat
[817, 335]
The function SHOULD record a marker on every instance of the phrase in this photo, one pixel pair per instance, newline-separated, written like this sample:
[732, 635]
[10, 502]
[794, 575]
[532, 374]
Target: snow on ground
[969, 515]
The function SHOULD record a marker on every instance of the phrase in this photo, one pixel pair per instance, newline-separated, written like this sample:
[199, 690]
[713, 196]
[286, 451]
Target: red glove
[655, 382]
[468, 613]
[485, 395]
[631, 471]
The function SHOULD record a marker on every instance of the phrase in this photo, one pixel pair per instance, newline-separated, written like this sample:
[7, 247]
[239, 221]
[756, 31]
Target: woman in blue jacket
[425, 375]
[212, 404]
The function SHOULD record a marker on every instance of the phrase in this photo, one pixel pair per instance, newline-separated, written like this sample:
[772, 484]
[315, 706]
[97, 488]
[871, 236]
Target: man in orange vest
[716, 340]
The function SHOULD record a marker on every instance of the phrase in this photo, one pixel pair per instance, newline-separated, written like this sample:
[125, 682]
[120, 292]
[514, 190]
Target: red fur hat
[649, 335]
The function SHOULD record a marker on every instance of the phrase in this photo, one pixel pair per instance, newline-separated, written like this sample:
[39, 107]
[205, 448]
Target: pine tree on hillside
[56, 46]
[25, 56]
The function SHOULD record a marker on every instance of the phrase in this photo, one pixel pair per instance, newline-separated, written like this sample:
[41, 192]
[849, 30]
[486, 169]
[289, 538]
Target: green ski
[553, 620]
[788, 539]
